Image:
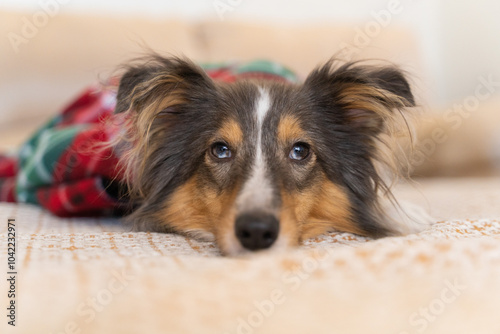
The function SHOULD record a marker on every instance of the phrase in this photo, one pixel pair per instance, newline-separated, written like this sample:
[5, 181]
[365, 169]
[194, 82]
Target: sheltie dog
[257, 164]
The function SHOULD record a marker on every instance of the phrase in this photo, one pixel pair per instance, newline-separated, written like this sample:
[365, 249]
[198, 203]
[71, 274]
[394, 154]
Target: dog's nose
[257, 231]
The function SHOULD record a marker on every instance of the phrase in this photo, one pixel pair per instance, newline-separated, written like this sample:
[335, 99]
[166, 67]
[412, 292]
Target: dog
[254, 161]
[263, 164]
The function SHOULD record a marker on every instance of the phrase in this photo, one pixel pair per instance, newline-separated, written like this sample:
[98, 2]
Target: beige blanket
[91, 276]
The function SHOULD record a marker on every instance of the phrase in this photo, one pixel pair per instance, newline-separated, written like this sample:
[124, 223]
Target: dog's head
[257, 164]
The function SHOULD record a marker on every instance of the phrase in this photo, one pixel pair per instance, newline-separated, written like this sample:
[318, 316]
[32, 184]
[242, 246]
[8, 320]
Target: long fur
[355, 115]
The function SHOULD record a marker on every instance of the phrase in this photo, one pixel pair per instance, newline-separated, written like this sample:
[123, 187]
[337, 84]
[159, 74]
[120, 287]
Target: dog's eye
[300, 151]
[221, 151]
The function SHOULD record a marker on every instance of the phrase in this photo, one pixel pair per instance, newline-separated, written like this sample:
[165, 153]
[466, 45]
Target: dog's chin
[230, 246]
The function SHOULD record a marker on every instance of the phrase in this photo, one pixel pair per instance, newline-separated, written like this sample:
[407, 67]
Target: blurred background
[51, 49]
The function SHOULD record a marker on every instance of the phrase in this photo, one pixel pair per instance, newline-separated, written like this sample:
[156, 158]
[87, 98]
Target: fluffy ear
[359, 105]
[160, 81]
[363, 97]
[159, 97]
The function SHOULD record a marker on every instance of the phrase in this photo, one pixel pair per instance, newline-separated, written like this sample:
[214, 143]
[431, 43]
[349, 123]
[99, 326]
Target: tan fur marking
[289, 130]
[324, 207]
[194, 206]
[231, 132]
[370, 98]
[333, 208]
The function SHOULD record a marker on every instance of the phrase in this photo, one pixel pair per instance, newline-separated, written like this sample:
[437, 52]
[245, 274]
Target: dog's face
[256, 164]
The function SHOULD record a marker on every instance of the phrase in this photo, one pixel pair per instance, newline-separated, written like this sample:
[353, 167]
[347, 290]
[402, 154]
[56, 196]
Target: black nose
[257, 231]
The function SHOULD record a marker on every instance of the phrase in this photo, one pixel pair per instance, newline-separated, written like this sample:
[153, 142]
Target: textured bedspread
[92, 276]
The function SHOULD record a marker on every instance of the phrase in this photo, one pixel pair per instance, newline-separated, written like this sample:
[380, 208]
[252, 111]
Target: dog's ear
[360, 96]
[159, 83]
[160, 99]
[361, 110]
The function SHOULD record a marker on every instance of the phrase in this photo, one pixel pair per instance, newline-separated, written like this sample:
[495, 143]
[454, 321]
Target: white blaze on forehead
[257, 192]
[263, 105]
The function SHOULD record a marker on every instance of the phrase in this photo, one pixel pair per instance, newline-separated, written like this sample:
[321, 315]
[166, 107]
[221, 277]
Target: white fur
[405, 217]
[231, 245]
[257, 192]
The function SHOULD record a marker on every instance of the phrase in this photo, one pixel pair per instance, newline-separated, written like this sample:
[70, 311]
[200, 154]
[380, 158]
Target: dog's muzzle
[256, 230]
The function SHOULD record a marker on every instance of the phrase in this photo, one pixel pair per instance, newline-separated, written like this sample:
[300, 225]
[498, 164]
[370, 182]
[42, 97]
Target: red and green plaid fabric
[63, 169]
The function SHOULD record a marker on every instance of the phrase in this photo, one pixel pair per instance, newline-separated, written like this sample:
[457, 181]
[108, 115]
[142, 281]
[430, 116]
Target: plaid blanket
[59, 167]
